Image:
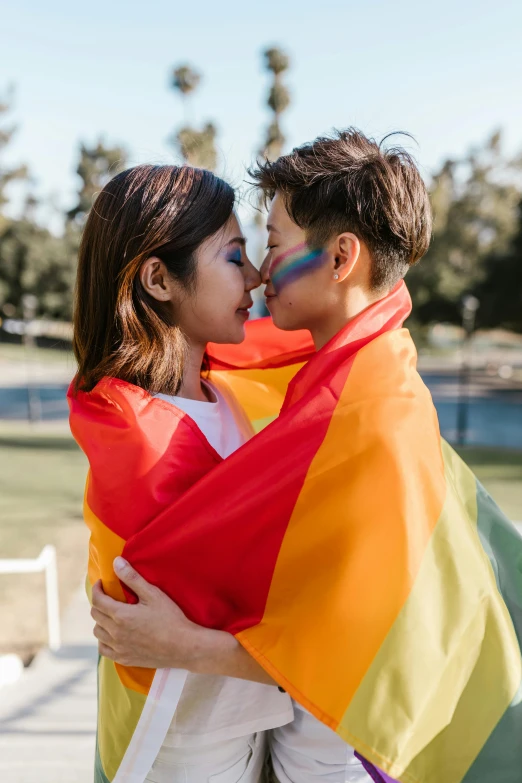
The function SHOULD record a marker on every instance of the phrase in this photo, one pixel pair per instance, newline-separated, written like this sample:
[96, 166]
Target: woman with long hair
[163, 271]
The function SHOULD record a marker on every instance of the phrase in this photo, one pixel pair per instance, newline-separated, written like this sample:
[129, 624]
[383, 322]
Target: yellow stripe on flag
[260, 392]
[440, 638]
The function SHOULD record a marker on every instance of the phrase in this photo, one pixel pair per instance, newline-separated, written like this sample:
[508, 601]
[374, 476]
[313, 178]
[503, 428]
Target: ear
[156, 280]
[346, 250]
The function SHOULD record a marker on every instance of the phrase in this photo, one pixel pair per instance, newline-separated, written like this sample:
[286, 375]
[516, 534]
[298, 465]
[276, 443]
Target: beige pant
[307, 751]
[238, 760]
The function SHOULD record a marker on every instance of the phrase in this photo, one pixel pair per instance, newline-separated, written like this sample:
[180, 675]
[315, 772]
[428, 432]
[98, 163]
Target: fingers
[104, 603]
[129, 576]
[106, 651]
[102, 635]
[110, 648]
[103, 623]
[107, 612]
[100, 617]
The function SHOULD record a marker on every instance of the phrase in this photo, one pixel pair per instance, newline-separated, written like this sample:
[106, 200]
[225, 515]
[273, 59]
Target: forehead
[280, 221]
[227, 235]
[233, 227]
[231, 232]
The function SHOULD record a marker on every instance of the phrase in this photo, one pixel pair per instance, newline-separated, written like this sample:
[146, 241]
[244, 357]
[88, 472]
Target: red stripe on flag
[143, 453]
[220, 574]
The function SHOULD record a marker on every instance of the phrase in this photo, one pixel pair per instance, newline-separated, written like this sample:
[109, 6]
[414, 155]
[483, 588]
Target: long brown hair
[119, 329]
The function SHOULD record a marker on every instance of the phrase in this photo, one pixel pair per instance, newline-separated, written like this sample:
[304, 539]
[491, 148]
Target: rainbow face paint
[294, 263]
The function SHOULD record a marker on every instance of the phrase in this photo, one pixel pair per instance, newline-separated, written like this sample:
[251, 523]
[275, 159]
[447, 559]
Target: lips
[244, 311]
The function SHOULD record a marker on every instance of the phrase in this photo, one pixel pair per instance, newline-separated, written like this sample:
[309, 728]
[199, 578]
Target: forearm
[218, 652]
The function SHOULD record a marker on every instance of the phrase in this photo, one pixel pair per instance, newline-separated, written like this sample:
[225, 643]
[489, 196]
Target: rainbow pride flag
[351, 552]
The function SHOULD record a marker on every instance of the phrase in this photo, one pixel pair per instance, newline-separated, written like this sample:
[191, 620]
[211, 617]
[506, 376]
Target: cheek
[300, 294]
[221, 290]
[300, 304]
[294, 266]
[213, 310]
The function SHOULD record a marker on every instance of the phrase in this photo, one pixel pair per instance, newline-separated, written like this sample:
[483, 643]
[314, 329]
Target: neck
[354, 302]
[191, 387]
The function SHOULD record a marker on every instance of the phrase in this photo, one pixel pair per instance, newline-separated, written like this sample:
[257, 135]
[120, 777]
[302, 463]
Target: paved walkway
[48, 718]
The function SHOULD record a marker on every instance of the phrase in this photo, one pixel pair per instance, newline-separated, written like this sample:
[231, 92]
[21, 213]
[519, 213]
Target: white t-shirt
[211, 708]
[223, 422]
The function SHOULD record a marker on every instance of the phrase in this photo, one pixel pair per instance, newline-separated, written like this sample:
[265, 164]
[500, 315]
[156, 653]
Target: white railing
[46, 561]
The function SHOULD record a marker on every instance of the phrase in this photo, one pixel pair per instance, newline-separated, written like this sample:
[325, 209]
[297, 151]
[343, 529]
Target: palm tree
[276, 62]
[197, 147]
[185, 80]
[97, 164]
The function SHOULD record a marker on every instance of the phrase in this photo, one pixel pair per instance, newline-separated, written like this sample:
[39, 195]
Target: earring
[336, 277]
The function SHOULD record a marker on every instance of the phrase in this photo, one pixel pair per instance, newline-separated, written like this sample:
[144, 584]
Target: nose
[252, 276]
[264, 271]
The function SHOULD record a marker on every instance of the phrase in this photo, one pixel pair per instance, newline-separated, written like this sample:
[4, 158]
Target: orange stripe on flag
[358, 532]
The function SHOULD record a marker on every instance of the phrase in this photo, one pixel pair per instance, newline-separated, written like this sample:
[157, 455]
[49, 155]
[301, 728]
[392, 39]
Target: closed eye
[235, 258]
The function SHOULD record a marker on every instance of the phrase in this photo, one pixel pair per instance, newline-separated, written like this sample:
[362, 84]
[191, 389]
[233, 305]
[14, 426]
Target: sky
[449, 73]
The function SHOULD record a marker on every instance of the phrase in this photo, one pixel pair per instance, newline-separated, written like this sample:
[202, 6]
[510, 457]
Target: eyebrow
[270, 227]
[237, 241]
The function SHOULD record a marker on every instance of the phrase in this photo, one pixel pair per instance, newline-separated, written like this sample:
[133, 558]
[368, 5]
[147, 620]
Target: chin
[234, 337]
[238, 338]
[283, 316]
[284, 322]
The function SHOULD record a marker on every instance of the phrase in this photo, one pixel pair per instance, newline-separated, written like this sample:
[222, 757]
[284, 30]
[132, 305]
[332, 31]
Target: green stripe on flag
[500, 760]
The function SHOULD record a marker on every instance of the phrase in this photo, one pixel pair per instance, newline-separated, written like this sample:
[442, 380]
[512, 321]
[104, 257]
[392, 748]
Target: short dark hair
[348, 182]
[119, 329]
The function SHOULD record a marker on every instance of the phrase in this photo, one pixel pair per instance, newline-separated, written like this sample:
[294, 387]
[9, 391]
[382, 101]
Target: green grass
[41, 486]
[42, 477]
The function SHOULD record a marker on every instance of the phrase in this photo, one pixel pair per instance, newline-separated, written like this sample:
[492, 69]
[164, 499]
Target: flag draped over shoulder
[143, 455]
[350, 551]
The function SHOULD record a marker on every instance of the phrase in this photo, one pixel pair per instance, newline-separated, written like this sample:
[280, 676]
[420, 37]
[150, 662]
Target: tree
[185, 80]
[475, 214]
[197, 147]
[500, 294]
[276, 62]
[97, 165]
[8, 174]
[55, 275]
[33, 261]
